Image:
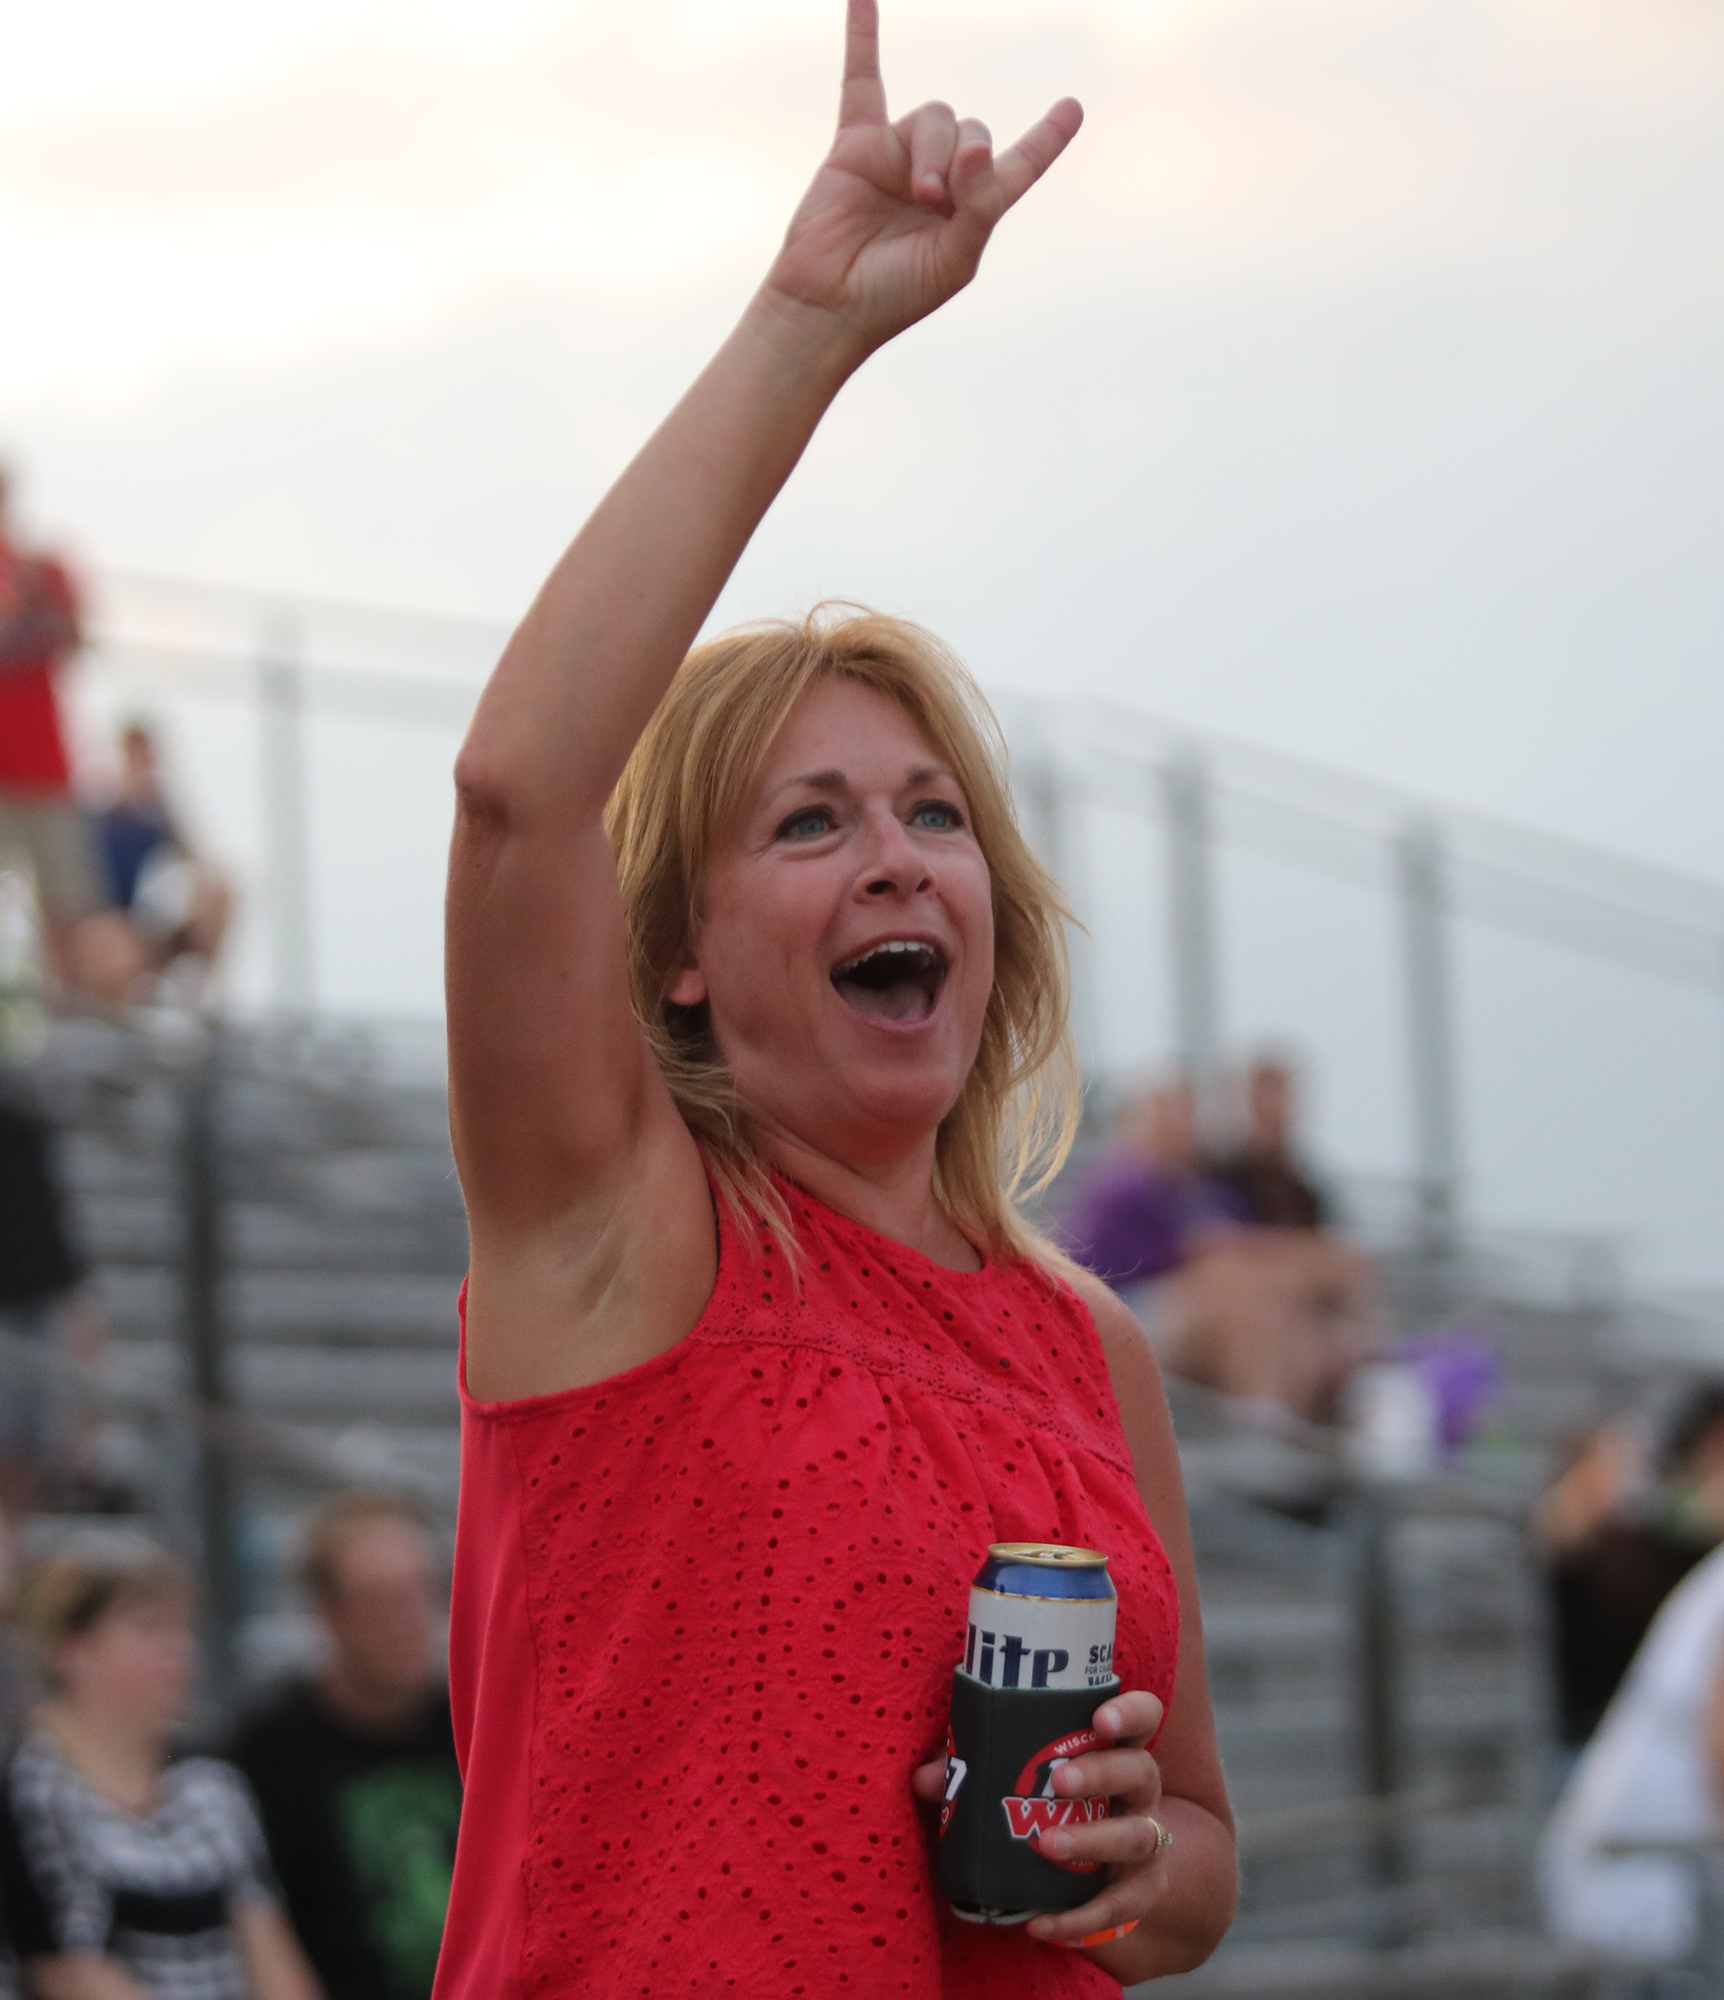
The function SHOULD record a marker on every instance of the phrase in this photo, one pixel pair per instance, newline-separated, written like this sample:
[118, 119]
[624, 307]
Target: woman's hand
[896, 219]
[1129, 1841]
[1126, 1841]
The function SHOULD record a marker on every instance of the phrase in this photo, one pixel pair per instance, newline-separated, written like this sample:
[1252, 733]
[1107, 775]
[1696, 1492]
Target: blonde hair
[687, 788]
[96, 1571]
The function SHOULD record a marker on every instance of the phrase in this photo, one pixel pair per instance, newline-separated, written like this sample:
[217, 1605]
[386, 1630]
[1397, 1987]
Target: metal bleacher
[277, 1238]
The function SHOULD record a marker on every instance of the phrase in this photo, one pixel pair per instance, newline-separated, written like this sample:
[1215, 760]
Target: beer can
[1038, 1662]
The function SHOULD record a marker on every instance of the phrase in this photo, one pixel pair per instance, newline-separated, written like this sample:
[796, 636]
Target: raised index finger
[863, 99]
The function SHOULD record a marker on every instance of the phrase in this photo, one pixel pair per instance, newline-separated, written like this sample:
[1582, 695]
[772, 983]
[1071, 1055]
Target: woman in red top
[753, 984]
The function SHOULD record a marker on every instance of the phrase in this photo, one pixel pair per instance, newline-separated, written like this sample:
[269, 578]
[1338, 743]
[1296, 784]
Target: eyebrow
[834, 780]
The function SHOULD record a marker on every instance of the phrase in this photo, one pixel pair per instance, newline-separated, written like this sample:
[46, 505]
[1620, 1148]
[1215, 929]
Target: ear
[688, 989]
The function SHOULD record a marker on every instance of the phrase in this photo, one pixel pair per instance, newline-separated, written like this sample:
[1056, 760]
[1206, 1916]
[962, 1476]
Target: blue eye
[808, 824]
[937, 815]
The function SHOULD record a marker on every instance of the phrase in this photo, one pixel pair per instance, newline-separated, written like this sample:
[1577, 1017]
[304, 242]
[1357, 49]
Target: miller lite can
[1038, 1663]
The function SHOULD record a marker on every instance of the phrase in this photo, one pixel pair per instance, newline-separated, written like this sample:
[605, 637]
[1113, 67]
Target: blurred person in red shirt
[88, 947]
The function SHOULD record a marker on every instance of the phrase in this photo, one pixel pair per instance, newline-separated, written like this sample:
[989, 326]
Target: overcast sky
[1353, 386]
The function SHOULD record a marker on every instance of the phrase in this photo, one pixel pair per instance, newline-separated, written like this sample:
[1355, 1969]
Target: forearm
[82, 1975]
[1193, 1915]
[275, 1960]
[597, 650]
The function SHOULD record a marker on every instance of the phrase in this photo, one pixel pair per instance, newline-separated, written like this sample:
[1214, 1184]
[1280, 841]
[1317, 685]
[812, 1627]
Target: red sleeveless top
[706, 1614]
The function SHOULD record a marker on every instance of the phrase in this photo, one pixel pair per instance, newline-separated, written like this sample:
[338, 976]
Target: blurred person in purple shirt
[1149, 1201]
[1271, 1314]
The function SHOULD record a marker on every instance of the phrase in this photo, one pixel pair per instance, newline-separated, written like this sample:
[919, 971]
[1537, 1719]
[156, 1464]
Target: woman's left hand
[1127, 1841]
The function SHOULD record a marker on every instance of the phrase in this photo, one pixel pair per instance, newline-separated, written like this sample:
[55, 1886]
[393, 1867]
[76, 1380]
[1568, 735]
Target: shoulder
[1135, 1377]
[215, 1806]
[204, 1773]
[38, 1774]
[211, 1786]
[1048, 1267]
[1130, 1359]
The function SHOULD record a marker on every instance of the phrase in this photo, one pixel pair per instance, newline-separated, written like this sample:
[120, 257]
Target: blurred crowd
[160, 1840]
[301, 1848]
[1631, 1531]
[125, 909]
[1210, 1222]
[1223, 1242]
[302, 1845]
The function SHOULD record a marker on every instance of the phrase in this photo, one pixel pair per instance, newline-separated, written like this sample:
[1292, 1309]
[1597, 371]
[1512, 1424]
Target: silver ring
[1163, 1839]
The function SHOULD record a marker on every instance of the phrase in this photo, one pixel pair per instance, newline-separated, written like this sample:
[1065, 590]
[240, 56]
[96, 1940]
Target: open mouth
[897, 981]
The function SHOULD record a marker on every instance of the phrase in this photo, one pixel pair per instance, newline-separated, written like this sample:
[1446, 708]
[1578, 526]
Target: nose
[895, 866]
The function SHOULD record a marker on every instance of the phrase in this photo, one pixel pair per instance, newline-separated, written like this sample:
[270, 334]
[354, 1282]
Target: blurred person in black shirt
[39, 1269]
[354, 1768]
[1265, 1174]
[1278, 1312]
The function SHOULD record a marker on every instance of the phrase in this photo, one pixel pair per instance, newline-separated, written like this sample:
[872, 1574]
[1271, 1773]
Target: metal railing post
[1191, 922]
[202, 1308]
[1377, 1665]
[1046, 790]
[1423, 873]
[281, 690]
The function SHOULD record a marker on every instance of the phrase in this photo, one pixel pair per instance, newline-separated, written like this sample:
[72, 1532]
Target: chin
[905, 1105]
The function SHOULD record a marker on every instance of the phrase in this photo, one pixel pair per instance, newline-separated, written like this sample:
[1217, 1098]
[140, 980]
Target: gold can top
[1050, 1555]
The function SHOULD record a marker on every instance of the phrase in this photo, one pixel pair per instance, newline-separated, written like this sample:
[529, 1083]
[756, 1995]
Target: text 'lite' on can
[1038, 1662]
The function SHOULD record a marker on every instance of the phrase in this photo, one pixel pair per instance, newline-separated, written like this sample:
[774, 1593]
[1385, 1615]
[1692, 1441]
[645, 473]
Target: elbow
[1195, 1943]
[485, 799]
[505, 789]
[1217, 1918]
[1220, 1922]
[1204, 1913]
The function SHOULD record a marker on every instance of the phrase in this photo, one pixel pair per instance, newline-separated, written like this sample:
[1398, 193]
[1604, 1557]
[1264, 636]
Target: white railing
[1526, 1030]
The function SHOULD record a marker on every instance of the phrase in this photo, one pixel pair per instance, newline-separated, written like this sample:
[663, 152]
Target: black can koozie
[1038, 1662]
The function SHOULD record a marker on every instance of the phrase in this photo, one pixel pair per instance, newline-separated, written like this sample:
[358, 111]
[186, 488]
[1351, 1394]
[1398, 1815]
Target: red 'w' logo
[1029, 1818]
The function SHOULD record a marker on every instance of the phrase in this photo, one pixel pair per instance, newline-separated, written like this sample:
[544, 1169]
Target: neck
[122, 1761]
[363, 1703]
[894, 1197]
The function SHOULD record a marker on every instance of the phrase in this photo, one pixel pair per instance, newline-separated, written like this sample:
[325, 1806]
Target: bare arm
[573, 1159]
[592, 1242]
[275, 1961]
[81, 1975]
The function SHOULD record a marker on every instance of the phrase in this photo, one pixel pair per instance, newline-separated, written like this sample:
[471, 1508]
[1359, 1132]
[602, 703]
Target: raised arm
[592, 1238]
